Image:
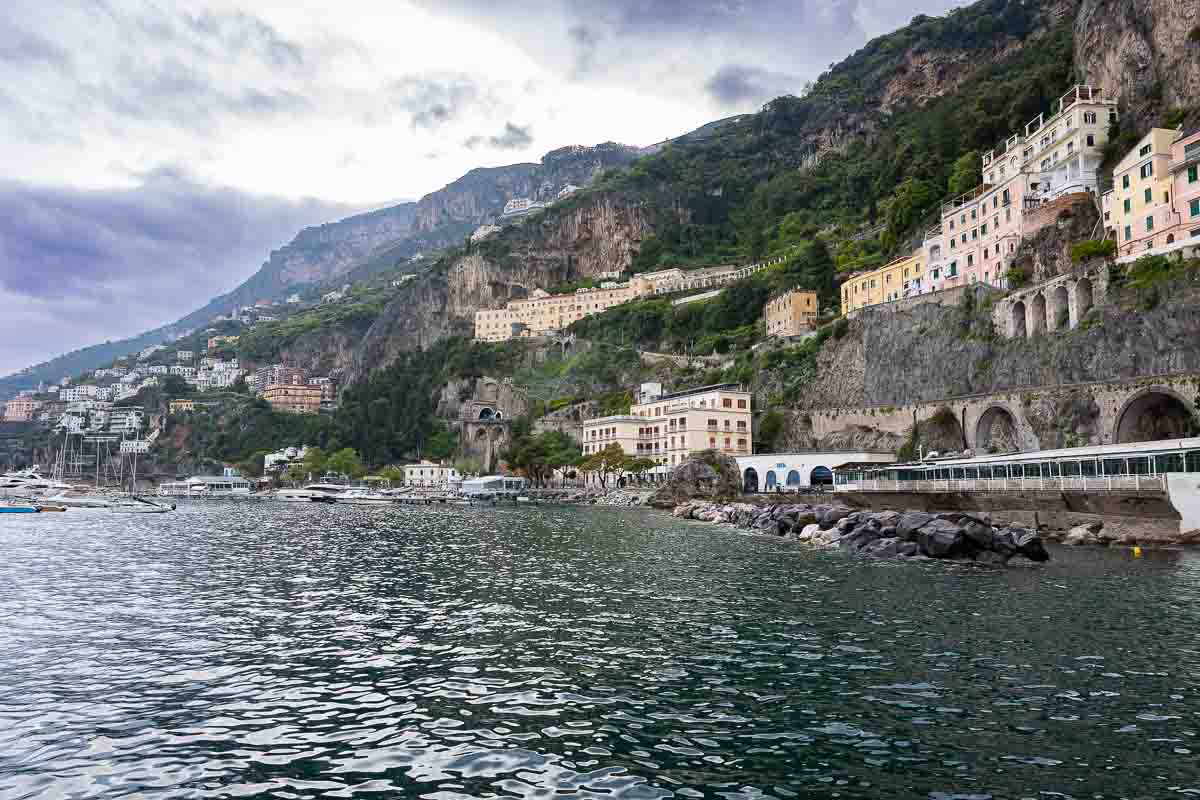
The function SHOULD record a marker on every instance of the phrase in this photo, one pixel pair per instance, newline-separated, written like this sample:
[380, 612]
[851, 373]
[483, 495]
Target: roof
[730, 387]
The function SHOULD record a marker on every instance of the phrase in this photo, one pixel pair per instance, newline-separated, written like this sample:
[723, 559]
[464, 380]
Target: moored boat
[364, 497]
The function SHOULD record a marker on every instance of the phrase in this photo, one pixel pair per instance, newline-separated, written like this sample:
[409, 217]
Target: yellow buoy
[1137, 552]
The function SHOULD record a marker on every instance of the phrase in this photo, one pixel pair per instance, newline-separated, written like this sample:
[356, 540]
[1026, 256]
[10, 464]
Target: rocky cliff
[579, 240]
[1147, 52]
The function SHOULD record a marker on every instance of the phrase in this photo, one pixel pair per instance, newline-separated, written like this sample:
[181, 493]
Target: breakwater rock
[884, 534]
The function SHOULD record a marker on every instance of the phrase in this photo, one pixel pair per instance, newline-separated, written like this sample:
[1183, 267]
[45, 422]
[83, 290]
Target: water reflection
[242, 650]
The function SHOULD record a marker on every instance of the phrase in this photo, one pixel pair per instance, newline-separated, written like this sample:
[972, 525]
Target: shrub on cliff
[1092, 248]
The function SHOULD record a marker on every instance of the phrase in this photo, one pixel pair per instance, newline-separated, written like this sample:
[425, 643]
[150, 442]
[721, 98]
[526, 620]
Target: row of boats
[37, 493]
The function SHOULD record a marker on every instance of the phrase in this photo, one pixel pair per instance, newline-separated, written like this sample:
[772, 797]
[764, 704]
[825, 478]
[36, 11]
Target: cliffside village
[1047, 166]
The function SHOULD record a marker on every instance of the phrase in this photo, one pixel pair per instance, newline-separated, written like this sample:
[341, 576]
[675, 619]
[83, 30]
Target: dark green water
[294, 651]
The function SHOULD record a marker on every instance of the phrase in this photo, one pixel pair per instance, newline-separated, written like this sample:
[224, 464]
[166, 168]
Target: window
[1194, 207]
[1191, 151]
[1147, 195]
[1145, 150]
[1147, 169]
[1192, 176]
[964, 237]
[1149, 223]
[1128, 233]
[1128, 205]
[974, 233]
[952, 270]
[741, 404]
[970, 259]
[1006, 198]
[1124, 181]
[953, 244]
[1091, 140]
[1089, 118]
[726, 403]
[983, 229]
[973, 213]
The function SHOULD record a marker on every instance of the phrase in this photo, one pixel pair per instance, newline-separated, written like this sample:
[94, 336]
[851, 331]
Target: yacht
[28, 483]
[138, 505]
[312, 493]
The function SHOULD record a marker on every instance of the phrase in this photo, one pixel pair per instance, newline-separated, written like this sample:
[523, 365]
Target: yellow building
[1139, 204]
[668, 427]
[901, 278]
[791, 314]
[179, 406]
[294, 398]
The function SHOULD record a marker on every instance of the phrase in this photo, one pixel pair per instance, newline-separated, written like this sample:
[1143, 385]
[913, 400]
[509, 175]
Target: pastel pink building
[1185, 174]
[1049, 159]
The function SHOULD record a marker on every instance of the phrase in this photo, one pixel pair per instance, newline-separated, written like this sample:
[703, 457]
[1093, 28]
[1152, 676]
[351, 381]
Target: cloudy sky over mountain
[154, 152]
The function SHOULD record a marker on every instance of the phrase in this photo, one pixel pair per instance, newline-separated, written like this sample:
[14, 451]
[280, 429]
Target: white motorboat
[29, 483]
[364, 497]
[138, 505]
[76, 499]
[312, 493]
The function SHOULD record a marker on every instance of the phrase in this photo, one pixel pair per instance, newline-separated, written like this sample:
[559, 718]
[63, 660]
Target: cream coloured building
[429, 474]
[543, 313]
[791, 314]
[1138, 208]
[669, 427]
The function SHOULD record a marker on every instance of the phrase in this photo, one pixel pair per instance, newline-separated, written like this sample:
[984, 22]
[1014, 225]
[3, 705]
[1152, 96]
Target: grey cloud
[434, 100]
[514, 137]
[136, 258]
[737, 84]
[21, 48]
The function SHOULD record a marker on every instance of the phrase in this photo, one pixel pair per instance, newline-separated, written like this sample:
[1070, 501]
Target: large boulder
[940, 538]
[706, 476]
[910, 522]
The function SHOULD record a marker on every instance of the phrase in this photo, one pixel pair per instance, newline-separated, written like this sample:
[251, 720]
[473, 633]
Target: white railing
[1136, 483]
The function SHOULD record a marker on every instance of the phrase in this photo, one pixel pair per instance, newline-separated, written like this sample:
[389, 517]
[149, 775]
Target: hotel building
[294, 398]
[902, 278]
[791, 314]
[668, 427]
[1049, 159]
[1154, 205]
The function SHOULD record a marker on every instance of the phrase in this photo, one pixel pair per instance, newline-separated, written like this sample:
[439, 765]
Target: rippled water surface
[292, 651]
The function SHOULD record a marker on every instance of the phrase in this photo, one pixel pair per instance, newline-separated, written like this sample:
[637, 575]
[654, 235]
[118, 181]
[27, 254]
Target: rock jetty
[884, 534]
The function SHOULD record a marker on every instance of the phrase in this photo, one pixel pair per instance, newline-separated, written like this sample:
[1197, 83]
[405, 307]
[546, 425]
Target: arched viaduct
[1020, 420]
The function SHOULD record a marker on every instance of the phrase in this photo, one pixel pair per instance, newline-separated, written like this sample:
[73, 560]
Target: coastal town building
[668, 427]
[429, 474]
[184, 356]
[180, 406]
[215, 342]
[791, 314]
[898, 279]
[542, 313]
[1154, 205]
[1049, 159]
[20, 409]
[294, 398]
[520, 206]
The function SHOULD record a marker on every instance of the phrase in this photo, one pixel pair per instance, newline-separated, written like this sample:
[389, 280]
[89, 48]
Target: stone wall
[945, 297]
[1061, 303]
[1038, 418]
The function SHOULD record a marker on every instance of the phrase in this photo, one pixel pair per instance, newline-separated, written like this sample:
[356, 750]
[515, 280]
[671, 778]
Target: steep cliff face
[580, 241]
[1146, 51]
[326, 251]
[932, 352]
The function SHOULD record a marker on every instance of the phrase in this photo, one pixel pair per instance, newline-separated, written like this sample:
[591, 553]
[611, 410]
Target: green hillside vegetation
[354, 315]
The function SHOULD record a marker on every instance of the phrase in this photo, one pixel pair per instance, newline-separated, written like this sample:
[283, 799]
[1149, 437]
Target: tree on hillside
[638, 466]
[392, 474]
[346, 462]
[965, 175]
[314, 462]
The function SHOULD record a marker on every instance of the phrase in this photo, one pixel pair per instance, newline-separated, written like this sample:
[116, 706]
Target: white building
[126, 420]
[520, 206]
[795, 472]
[428, 474]
[184, 356]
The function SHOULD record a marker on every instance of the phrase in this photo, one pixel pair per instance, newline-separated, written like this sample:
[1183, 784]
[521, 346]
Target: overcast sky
[152, 153]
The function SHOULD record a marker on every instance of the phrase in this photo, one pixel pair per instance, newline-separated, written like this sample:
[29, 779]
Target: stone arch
[1059, 310]
[772, 480]
[499, 415]
[793, 478]
[1037, 315]
[1170, 238]
[820, 476]
[1155, 413]
[996, 431]
[750, 481]
[487, 413]
[1083, 299]
[1017, 327]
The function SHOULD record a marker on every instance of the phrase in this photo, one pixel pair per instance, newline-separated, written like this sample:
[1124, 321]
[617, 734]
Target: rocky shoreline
[881, 534]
